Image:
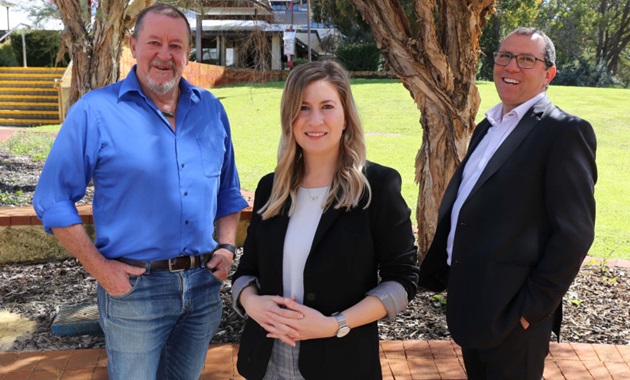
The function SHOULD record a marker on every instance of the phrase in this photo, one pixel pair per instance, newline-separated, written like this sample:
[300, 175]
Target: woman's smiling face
[320, 122]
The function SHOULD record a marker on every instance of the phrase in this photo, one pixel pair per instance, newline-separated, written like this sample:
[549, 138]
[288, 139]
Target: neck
[318, 172]
[166, 103]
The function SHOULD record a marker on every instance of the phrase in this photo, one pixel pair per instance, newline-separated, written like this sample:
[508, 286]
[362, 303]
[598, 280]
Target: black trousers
[520, 357]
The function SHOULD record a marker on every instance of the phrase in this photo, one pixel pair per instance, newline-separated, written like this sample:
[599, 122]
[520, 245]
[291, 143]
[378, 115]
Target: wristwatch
[229, 247]
[343, 329]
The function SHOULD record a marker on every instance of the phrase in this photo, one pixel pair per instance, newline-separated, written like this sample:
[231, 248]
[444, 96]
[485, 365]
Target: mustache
[169, 64]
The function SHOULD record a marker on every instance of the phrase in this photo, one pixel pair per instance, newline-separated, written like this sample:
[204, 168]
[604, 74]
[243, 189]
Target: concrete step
[27, 84]
[30, 77]
[33, 70]
[11, 122]
[8, 122]
[16, 114]
[29, 106]
[15, 91]
[13, 98]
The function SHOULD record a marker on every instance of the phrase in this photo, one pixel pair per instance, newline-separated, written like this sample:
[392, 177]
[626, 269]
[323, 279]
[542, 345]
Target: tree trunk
[434, 53]
[95, 48]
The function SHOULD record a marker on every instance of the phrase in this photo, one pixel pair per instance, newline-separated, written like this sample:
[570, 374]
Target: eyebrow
[155, 37]
[323, 101]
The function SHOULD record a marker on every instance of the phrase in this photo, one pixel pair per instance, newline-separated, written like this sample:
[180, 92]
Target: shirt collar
[494, 114]
[131, 85]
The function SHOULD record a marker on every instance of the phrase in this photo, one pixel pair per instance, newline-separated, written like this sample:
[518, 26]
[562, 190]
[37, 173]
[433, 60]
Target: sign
[289, 43]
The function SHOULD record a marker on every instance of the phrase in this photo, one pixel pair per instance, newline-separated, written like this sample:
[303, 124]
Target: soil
[596, 308]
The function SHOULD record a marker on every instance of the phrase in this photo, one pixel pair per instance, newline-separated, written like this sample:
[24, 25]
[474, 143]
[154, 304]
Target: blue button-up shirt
[157, 191]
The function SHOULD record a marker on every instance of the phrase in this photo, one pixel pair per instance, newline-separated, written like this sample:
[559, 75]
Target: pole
[23, 48]
[308, 38]
[290, 59]
[8, 26]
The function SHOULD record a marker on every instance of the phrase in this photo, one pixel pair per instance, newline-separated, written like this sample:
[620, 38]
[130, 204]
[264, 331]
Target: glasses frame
[516, 56]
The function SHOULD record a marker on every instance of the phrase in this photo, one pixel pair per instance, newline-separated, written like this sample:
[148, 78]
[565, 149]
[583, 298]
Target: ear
[550, 74]
[132, 46]
[188, 54]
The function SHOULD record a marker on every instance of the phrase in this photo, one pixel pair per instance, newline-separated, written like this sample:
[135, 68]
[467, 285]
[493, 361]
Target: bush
[7, 57]
[359, 57]
[582, 73]
[41, 47]
[299, 61]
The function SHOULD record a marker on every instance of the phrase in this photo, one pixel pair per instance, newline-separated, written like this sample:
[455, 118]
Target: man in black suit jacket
[516, 220]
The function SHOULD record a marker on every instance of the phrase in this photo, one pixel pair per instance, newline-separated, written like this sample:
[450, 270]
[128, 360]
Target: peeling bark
[434, 53]
[95, 47]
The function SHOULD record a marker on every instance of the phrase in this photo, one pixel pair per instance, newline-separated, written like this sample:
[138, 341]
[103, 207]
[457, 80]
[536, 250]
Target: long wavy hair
[349, 183]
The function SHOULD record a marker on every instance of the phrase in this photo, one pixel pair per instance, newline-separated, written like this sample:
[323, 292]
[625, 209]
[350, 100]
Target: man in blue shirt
[160, 155]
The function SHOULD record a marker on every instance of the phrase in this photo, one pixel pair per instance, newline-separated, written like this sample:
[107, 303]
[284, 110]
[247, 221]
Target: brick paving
[400, 360]
[6, 132]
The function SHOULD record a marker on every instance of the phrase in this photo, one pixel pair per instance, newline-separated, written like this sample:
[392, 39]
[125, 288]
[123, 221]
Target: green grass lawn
[394, 135]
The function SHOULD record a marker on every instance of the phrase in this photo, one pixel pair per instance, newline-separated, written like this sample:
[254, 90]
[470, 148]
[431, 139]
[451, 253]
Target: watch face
[343, 331]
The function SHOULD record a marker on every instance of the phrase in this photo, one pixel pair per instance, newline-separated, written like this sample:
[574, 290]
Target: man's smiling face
[161, 51]
[514, 85]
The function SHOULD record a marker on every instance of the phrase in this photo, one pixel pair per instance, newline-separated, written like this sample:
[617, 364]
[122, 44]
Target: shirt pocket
[212, 151]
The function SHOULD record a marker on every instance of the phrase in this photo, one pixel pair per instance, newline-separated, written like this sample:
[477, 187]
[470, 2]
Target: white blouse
[299, 239]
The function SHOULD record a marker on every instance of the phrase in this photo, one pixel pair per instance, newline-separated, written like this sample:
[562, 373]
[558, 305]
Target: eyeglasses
[524, 61]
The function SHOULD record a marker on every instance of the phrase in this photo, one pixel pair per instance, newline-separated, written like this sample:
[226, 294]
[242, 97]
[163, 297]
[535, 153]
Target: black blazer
[523, 231]
[350, 250]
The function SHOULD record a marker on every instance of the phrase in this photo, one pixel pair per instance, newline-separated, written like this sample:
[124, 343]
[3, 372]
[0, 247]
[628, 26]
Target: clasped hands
[287, 320]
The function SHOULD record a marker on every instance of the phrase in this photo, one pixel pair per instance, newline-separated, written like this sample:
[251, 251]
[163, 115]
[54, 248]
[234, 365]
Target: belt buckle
[191, 259]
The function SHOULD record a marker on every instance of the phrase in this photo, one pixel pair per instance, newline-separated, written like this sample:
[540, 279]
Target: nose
[316, 117]
[164, 52]
[512, 65]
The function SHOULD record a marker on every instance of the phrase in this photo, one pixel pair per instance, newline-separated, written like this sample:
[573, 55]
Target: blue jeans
[162, 327]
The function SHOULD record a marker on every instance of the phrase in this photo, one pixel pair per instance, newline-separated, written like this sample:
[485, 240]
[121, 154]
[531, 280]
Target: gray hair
[549, 52]
[161, 9]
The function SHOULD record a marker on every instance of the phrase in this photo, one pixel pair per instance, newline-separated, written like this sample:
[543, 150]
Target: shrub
[299, 61]
[579, 72]
[7, 57]
[359, 57]
[41, 47]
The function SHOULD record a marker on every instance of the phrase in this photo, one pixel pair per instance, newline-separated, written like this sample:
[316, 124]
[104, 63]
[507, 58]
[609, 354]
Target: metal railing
[23, 27]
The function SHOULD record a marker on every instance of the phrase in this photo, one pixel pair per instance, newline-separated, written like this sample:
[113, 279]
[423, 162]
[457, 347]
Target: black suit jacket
[350, 250]
[523, 231]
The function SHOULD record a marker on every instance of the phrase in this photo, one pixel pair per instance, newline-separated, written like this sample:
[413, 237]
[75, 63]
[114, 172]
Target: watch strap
[343, 328]
[229, 247]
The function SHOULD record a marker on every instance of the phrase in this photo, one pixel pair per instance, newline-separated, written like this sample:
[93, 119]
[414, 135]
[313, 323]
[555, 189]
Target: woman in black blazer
[329, 250]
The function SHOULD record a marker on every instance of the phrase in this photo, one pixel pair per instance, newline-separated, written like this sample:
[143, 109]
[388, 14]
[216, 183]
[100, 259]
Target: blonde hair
[349, 182]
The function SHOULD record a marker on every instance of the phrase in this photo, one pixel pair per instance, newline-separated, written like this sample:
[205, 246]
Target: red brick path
[412, 359]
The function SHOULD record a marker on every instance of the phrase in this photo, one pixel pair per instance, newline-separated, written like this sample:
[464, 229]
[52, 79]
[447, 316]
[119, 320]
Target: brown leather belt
[176, 264]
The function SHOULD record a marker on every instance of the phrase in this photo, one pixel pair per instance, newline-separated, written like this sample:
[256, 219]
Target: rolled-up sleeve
[393, 296]
[67, 171]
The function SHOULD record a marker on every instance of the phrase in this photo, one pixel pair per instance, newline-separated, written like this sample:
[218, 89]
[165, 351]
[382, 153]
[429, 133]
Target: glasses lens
[502, 59]
[525, 61]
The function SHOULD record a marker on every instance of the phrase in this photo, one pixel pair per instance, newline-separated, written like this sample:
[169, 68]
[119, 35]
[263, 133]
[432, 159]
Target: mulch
[596, 308]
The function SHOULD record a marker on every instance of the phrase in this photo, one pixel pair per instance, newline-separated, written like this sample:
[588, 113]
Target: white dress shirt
[502, 126]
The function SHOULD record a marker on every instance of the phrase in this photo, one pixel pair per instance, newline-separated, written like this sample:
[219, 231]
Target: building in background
[253, 33]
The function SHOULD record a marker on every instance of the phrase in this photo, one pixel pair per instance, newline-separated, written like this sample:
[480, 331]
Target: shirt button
[182, 165]
[186, 222]
[186, 193]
